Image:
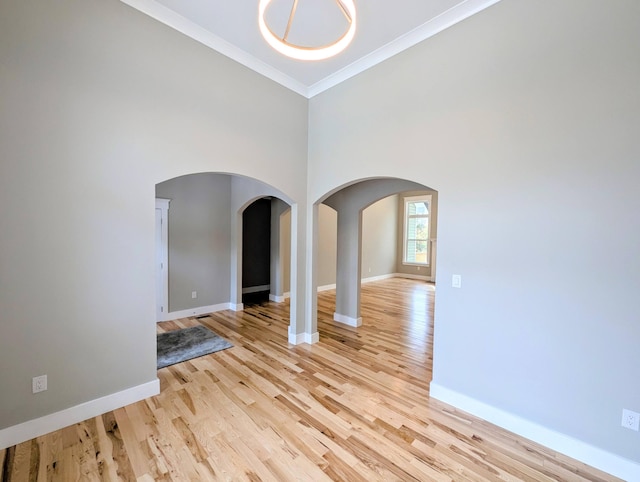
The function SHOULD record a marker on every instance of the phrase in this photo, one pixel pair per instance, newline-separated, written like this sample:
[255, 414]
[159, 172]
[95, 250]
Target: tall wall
[524, 118]
[99, 104]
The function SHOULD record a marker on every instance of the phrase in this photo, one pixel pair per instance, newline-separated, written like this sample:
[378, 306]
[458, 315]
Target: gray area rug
[187, 343]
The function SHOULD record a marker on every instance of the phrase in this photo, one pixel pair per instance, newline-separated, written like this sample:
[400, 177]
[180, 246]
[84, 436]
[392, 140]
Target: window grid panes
[416, 234]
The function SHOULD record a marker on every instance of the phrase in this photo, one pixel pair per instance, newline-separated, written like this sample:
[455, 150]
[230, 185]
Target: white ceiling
[384, 28]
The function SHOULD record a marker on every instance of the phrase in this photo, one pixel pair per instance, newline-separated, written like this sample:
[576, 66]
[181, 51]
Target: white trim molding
[55, 421]
[574, 448]
[201, 310]
[165, 15]
[177, 22]
[311, 338]
[236, 306]
[326, 287]
[420, 277]
[295, 338]
[347, 320]
[378, 278]
[162, 252]
[300, 338]
[433, 27]
[279, 298]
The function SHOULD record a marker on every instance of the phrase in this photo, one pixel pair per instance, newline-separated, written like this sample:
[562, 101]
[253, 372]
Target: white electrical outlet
[194, 294]
[630, 419]
[456, 281]
[39, 384]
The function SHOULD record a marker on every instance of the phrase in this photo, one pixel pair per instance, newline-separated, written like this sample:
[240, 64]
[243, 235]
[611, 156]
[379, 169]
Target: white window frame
[405, 241]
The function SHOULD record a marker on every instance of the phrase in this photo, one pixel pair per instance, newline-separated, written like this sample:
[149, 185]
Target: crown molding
[434, 26]
[185, 26]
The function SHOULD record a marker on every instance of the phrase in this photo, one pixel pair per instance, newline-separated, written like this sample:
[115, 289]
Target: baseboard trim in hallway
[574, 448]
[55, 421]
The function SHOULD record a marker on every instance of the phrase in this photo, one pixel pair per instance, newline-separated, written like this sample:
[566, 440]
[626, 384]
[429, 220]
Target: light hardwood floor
[353, 407]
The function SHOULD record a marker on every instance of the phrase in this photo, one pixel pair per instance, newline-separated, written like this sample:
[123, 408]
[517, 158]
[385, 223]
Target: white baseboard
[276, 298]
[347, 320]
[55, 421]
[236, 306]
[201, 310]
[311, 338]
[574, 448]
[256, 289]
[412, 276]
[300, 338]
[378, 278]
[326, 287]
[296, 338]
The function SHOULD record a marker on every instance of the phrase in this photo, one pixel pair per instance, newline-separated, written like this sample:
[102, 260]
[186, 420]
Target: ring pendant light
[300, 52]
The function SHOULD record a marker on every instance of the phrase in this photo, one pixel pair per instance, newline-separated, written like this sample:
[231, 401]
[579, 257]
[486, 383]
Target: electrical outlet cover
[630, 419]
[39, 384]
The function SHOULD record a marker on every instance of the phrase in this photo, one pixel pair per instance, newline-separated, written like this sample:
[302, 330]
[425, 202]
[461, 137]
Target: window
[416, 230]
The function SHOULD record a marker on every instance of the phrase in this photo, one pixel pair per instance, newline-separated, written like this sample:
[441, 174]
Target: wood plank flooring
[353, 407]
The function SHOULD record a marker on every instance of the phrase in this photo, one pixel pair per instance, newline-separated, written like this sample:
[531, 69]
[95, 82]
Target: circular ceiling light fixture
[300, 52]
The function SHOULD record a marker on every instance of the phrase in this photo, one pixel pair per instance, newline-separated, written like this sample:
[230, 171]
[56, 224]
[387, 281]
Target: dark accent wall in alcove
[256, 246]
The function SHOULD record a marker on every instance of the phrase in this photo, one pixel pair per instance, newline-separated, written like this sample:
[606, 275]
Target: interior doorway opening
[256, 251]
[368, 223]
[266, 251]
[213, 215]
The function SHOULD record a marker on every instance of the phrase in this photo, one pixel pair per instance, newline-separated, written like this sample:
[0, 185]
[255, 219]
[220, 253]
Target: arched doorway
[205, 240]
[349, 202]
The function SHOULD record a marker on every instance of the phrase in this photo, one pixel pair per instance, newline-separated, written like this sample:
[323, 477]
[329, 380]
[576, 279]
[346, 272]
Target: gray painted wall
[327, 242]
[525, 119]
[380, 238]
[285, 249]
[280, 248]
[99, 104]
[199, 239]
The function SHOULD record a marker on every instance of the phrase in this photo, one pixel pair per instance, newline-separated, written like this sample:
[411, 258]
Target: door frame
[162, 253]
